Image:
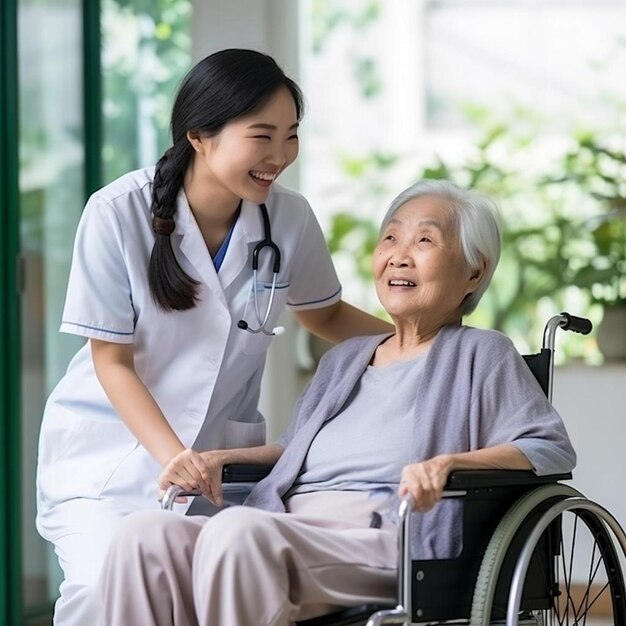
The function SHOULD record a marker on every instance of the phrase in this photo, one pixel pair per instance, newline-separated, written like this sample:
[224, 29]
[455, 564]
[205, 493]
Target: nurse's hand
[189, 470]
[215, 461]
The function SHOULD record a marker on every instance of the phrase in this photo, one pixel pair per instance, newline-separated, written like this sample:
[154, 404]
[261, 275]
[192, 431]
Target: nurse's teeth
[263, 176]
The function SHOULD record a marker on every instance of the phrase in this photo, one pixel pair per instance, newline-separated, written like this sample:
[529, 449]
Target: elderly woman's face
[418, 264]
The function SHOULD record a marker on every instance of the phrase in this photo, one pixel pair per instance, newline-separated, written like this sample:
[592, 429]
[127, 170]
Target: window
[505, 96]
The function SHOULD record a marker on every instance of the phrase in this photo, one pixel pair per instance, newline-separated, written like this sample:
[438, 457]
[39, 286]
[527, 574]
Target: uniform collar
[247, 233]
[249, 226]
[250, 222]
[194, 248]
[248, 230]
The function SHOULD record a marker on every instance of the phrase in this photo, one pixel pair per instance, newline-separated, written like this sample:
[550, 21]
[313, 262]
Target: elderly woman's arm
[425, 481]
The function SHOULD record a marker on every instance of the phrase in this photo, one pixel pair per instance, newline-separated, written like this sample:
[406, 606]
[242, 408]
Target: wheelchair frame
[513, 519]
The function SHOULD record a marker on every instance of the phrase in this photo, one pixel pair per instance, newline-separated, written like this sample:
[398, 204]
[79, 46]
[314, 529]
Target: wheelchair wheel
[581, 572]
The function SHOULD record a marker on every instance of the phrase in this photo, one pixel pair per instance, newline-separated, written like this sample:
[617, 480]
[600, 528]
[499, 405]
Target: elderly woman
[383, 417]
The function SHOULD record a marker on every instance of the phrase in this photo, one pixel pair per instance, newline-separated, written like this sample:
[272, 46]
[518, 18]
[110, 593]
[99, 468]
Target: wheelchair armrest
[245, 472]
[475, 479]
[231, 474]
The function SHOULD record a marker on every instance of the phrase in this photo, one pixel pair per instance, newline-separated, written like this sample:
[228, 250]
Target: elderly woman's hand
[425, 481]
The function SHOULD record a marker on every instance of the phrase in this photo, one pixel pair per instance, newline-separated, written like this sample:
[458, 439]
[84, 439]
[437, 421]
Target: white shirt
[201, 369]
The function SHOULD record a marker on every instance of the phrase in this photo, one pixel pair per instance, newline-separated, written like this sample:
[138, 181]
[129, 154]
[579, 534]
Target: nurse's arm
[341, 321]
[115, 369]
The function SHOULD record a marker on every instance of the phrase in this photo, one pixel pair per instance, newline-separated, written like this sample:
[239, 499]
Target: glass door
[54, 114]
[49, 161]
[63, 122]
[53, 148]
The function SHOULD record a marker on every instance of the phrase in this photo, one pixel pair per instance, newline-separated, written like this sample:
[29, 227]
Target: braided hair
[225, 85]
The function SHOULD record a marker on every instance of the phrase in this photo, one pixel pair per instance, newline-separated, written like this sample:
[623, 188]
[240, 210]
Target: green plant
[600, 172]
[563, 236]
[147, 49]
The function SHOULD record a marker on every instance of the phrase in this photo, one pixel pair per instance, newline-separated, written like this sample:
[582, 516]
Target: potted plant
[601, 172]
[605, 279]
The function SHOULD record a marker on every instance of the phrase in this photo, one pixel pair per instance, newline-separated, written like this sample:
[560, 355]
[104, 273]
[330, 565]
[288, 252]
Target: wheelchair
[535, 552]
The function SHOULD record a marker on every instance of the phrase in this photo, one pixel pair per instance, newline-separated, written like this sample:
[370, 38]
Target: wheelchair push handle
[576, 324]
[174, 492]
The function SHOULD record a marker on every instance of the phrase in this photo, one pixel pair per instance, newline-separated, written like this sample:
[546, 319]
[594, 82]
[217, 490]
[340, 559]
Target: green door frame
[10, 512]
[11, 610]
[92, 95]
[10, 494]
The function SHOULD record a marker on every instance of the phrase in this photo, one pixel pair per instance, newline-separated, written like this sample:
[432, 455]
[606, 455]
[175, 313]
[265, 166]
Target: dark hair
[220, 88]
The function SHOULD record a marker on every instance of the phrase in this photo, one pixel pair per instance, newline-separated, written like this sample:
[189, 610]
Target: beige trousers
[246, 567]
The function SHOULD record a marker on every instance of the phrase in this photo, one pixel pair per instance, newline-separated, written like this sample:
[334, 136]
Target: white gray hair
[478, 226]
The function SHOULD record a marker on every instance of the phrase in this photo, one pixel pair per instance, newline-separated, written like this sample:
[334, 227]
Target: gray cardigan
[476, 392]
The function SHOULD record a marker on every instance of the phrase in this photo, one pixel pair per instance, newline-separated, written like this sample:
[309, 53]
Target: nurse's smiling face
[250, 152]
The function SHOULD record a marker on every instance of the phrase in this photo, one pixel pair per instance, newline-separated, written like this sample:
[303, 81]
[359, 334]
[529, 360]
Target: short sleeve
[313, 280]
[98, 304]
[514, 409]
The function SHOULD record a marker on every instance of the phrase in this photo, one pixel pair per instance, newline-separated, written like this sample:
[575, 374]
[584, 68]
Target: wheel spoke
[571, 614]
[570, 600]
[567, 578]
[592, 575]
[593, 601]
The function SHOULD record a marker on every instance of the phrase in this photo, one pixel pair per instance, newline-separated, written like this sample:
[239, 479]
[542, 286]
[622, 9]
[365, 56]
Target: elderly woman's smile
[420, 271]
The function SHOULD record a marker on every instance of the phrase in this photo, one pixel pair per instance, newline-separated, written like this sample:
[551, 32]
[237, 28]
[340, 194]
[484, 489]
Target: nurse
[162, 286]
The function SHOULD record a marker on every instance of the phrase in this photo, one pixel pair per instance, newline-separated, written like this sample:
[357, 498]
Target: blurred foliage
[330, 16]
[601, 172]
[146, 52]
[564, 231]
[563, 199]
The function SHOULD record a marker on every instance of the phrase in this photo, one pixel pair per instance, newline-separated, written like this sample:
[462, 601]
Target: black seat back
[539, 365]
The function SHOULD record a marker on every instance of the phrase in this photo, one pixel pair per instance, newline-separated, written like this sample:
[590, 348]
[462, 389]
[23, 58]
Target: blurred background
[523, 99]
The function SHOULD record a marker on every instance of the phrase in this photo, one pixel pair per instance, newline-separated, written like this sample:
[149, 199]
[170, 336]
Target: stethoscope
[266, 242]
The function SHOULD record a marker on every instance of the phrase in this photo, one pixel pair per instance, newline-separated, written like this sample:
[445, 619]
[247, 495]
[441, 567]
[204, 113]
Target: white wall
[266, 25]
[592, 402]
